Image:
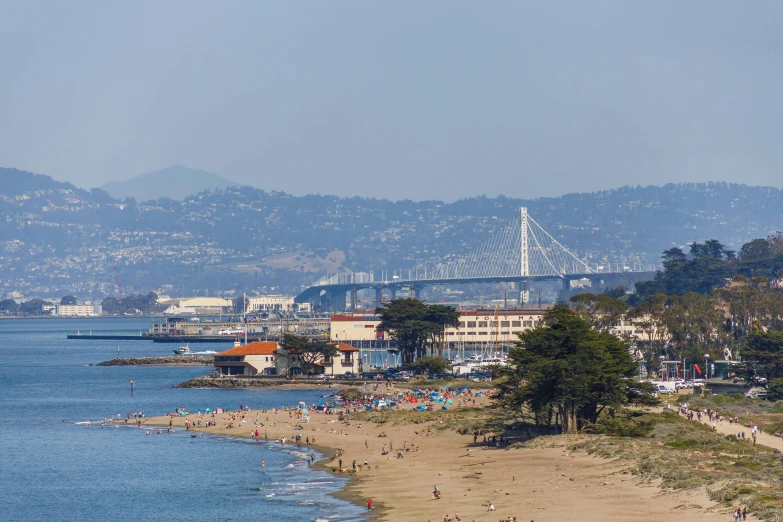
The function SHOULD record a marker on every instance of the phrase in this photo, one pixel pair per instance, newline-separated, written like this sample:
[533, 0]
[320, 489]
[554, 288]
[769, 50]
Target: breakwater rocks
[167, 360]
[227, 382]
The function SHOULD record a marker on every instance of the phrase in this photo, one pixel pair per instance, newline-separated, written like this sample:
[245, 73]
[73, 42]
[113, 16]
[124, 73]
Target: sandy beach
[542, 482]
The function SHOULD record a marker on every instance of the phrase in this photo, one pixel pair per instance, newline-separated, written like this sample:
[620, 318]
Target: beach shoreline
[523, 482]
[346, 493]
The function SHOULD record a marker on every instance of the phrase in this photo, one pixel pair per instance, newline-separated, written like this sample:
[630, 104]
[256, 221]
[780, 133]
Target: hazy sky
[419, 99]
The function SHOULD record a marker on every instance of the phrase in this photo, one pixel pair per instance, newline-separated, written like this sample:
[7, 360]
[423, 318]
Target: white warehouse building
[274, 303]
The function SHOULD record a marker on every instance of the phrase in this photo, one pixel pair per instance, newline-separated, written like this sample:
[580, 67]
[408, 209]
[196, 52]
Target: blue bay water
[61, 470]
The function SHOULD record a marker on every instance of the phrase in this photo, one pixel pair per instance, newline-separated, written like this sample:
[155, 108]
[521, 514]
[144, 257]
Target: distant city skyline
[437, 100]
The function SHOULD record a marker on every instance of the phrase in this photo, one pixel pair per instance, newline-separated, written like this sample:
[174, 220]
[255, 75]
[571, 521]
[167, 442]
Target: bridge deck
[314, 291]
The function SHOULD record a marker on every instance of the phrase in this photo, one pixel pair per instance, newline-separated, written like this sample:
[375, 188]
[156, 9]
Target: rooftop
[257, 348]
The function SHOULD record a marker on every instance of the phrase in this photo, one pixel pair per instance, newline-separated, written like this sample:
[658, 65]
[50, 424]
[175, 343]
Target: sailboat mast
[244, 313]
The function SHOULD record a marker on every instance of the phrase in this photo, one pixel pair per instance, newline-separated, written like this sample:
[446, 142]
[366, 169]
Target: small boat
[182, 350]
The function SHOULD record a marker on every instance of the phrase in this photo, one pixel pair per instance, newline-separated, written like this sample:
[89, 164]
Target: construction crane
[117, 279]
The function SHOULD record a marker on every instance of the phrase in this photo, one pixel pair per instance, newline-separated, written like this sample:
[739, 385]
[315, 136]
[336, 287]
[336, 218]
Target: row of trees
[30, 307]
[689, 326]
[710, 265]
[132, 304]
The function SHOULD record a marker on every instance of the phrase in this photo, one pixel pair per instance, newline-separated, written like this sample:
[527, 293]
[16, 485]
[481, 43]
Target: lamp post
[706, 366]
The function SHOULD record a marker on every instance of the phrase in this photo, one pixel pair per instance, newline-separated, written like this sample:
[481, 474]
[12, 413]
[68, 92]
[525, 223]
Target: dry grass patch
[685, 455]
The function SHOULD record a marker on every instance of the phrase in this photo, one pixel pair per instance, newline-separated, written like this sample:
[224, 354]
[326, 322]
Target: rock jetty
[228, 382]
[166, 360]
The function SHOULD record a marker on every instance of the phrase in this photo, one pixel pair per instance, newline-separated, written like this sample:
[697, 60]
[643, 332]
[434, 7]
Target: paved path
[724, 427]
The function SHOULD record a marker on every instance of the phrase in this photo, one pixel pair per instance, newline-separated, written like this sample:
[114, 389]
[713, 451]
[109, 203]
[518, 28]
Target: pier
[183, 339]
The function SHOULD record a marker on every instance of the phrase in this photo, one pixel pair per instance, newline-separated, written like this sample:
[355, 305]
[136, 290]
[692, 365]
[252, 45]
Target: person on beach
[369, 504]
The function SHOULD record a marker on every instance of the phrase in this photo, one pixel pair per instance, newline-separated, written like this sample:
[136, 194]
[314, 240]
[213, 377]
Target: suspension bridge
[519, 253]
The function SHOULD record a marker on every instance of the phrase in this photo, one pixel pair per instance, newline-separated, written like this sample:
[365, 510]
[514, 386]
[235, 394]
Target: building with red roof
[271, 358]
[252, 359]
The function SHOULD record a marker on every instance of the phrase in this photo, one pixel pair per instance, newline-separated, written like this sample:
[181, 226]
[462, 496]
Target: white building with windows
[485, 326]
[475, 326]
[78, 310]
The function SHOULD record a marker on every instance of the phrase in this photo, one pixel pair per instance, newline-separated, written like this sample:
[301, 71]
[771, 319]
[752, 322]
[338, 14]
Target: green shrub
[625, 424]
[775, 390]
[683, 444]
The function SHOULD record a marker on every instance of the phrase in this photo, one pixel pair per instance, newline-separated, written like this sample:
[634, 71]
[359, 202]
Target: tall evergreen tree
[412, 324]
[567, 368]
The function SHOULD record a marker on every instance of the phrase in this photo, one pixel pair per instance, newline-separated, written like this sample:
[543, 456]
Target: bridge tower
[524, 265]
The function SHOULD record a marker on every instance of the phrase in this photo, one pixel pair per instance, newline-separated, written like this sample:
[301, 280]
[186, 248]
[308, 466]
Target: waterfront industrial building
[275, 303]
[199, 305]
[181, 326]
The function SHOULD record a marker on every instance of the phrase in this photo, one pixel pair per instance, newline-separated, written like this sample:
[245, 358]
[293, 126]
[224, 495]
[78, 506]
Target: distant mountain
[175, 182]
